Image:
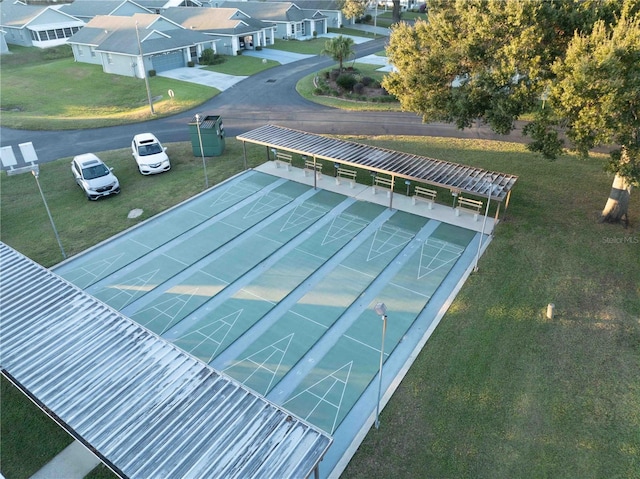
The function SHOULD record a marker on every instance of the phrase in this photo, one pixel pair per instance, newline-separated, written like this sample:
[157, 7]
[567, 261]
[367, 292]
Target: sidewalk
[74, 462]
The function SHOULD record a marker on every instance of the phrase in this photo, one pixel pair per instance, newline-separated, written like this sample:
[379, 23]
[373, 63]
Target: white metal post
[381, 310]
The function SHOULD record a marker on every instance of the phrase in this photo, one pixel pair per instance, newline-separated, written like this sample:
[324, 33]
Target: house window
[80, 51]
[109, 59]
[293, 29]
[59, 33]
[92, 50]
[67, 32]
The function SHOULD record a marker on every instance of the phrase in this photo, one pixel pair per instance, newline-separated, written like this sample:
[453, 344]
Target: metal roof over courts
[145, 407]
[460, 178]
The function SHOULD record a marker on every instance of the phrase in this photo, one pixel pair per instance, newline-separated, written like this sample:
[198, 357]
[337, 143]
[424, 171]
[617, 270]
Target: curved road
[265, 98]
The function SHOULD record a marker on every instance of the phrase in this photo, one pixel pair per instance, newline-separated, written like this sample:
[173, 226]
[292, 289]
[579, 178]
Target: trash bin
[210, 131]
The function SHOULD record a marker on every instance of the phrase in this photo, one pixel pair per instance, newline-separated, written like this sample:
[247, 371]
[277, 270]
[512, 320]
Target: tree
[353, 8]
[597, 94]
[491, 61]
[339, 48]
[395, 11]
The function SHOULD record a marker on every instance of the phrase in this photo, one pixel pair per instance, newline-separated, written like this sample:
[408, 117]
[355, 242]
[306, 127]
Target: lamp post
[484, 222]
[35, 173]
[381, 310]
[204, 164]
[144, 71]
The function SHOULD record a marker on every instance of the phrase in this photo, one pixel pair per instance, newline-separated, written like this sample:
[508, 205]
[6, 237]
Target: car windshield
[95, 172]
[152, 149]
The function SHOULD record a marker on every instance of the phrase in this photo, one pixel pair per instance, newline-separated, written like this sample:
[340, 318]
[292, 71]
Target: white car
[149, 154]
[94, 177]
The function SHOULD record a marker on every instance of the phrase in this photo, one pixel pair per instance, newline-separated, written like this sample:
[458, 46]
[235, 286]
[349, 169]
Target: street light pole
[144, 72]
[35, 174]
[204, 164]
[484, 222]
[381, 310]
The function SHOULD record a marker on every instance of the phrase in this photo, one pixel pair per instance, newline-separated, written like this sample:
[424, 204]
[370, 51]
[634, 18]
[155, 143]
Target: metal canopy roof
[143, 405]
[467, 179]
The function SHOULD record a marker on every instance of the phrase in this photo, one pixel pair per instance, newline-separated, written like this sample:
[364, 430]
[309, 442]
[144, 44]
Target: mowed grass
[82, 223]
[242, 65]
[42, 96]
[499, 391]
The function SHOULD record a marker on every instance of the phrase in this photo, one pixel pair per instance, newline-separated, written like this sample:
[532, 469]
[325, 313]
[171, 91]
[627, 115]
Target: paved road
[266, 98]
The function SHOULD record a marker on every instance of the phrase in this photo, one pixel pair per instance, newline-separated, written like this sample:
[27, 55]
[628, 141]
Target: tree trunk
[617, 207]
[395, 12]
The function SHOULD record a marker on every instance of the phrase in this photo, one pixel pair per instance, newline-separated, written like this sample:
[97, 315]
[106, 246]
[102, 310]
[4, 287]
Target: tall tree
[491, 61]
[339, 48]
[353, 8]
[395, 11]
[597, 94]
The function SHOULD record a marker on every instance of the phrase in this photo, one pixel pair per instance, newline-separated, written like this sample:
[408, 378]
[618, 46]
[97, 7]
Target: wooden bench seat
[310, 165]
[284, 158]
[382, 183]
[467, 204]
[424, 194]
[346, 174]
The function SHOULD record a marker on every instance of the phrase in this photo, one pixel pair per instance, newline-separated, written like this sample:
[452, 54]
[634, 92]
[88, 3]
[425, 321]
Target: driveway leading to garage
[198, 75]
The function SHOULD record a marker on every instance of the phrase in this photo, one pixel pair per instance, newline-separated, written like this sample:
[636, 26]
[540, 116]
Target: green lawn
[39, 96]
[242, 65]
[499, 391]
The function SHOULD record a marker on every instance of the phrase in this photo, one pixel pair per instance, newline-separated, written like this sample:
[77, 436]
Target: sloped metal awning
[144, 406]
[456, 177]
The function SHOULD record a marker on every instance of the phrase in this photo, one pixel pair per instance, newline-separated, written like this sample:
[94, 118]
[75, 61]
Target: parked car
[149, 154]
[94, 177]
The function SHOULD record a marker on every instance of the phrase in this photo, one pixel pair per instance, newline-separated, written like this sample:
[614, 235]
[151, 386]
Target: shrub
[207, 57]
[190, 63]
[258, 47]
[56, 53]
[367, 18]
[315, 34]
[346, 81]
[239, 52]
[334, 74]
[152, 73]
[358, 88]
[366, 81]
[318, 91]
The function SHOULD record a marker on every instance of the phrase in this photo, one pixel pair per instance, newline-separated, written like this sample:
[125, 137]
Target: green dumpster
[207, 131]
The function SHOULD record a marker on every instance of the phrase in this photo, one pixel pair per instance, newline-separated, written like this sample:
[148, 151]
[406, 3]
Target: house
[4, 48]
[329, 8]
[85, 10]
[119, 43]
[36, 25]
[292, 22]
[235, 30]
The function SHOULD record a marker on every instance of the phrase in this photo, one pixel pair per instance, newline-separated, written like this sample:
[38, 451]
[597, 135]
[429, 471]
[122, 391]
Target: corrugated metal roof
[147, 408]
[467, 179]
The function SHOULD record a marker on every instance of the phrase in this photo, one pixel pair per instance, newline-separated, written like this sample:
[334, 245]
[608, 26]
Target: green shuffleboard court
[273, 283]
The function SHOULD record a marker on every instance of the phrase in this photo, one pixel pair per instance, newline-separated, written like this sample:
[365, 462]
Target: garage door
[168, 61]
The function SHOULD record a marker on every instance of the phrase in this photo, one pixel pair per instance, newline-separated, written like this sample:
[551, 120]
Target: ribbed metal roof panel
[146, 407]
[471, 180]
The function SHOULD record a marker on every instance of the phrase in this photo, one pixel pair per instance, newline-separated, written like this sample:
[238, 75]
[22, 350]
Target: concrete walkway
[74, 462]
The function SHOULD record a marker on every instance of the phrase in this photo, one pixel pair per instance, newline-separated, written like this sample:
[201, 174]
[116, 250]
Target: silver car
[94, 177]
[149, 154]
